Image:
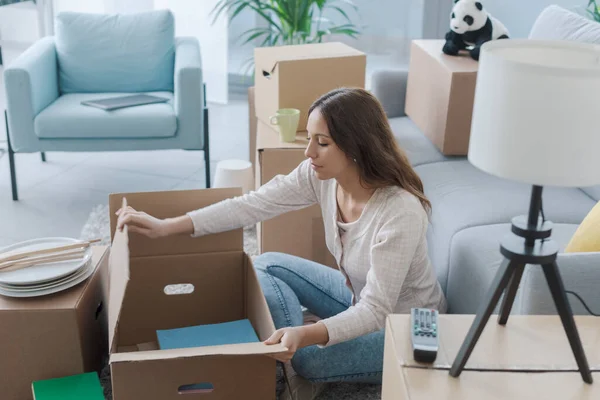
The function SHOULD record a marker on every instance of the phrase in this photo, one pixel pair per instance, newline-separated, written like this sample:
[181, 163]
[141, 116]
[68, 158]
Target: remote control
[424, 334]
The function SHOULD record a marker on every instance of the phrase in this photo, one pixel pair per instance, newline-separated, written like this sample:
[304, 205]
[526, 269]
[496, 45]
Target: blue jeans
[289, 282]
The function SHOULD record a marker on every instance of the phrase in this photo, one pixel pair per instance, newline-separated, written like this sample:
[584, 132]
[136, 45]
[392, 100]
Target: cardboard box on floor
[225, 288]
[529, 358]
[295, 76]
[440, 93]
[300, 233]
[56, 335]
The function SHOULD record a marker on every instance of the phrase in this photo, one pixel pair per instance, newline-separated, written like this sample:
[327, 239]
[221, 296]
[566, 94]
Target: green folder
[77, 387]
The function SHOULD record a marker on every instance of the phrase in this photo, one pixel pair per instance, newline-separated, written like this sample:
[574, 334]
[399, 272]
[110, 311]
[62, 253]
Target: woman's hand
[290, 338]
[140, 222]
[298, 337]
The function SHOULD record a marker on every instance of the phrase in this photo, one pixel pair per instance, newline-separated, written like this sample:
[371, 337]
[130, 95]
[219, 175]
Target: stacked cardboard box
[294, 77]
[55, 335]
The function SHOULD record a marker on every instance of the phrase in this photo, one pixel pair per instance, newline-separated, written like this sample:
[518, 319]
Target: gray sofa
[472, 210]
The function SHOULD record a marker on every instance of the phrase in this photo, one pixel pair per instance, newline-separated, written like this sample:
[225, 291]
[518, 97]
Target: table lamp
[535, 120]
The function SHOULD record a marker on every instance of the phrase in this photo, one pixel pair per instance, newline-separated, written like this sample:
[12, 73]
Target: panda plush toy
[470, 27]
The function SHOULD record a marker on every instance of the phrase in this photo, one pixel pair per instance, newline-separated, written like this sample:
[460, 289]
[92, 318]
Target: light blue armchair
[94, 56]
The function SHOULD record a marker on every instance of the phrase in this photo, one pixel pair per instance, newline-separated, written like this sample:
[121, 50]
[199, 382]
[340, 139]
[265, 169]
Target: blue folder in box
[207, 335]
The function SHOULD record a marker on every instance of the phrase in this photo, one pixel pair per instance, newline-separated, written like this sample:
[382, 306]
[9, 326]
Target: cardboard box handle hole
[196, 388]
[179, 289]
[99, 310]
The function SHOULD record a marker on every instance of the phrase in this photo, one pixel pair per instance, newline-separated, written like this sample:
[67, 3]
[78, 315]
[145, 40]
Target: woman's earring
[355, 160]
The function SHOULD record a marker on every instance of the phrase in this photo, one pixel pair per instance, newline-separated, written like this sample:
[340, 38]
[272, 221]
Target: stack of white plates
[48, 278]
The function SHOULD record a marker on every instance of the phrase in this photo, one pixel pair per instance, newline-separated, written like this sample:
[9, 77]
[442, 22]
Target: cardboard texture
[295, 76]
[440, 93]
[300, 233]
[54, 336]
[225, 288]
[531, 354]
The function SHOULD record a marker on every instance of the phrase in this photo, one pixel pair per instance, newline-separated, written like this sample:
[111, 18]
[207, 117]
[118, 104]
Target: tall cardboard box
[300, 233]
[252, 121]
[223, 287]
[528, 358]
[55, 335]
[439, 95]
[295, 76]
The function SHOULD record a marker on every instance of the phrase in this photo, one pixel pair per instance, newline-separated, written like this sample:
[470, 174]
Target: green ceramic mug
[287, 120]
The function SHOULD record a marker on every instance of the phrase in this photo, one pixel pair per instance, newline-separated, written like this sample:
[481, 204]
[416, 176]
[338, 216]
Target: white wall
[193, 19]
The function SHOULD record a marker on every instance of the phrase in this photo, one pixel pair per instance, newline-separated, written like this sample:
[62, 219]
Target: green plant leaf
[237, 11]
[289, 21]
[259, 32]
[262, 13]
[349, 3]
[341, 11]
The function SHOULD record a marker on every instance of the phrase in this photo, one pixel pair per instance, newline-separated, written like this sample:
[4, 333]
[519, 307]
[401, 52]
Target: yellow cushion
[587, 235]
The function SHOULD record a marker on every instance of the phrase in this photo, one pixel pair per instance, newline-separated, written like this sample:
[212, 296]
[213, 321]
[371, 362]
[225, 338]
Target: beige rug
[98, 226]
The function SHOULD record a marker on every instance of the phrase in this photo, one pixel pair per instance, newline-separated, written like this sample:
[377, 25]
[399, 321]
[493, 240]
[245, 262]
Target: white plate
[46, 285]
[43, 272]
[44, 292]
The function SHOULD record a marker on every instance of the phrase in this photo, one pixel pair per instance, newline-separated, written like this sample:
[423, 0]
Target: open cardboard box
[225, 288]
[528, 358]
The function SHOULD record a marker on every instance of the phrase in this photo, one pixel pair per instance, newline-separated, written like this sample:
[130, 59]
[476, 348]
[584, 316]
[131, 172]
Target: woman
[376, 217]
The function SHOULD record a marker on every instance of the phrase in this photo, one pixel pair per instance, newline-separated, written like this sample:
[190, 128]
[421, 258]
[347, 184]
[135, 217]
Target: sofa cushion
[475, 259]
[418, 148]
[66, 118]
[115, 53]
[587, 236]
[592, 191]
[557, 23]
[463, 196]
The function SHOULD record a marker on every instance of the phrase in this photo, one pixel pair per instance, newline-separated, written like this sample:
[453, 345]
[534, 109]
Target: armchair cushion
[66, 118]
[115, 53]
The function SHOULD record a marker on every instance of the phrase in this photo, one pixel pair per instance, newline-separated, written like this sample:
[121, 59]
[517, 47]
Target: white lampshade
[536, 117]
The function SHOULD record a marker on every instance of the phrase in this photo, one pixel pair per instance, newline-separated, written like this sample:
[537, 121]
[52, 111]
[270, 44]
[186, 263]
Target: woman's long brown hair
[359, 127]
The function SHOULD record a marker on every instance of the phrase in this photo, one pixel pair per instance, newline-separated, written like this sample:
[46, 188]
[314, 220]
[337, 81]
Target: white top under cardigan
[383, 256]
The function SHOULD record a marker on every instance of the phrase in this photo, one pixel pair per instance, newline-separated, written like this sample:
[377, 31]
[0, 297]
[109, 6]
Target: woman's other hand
[142, 223]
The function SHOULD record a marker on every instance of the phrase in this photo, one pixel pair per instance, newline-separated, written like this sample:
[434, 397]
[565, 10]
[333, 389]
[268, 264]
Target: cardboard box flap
[258, 348]
[267, 58]
[169, 204]
[118, 280]
[525, 343]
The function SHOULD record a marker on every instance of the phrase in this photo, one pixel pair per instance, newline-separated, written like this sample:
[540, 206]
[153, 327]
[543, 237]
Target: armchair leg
[206, 141]
[11, 162]
[43, 156]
